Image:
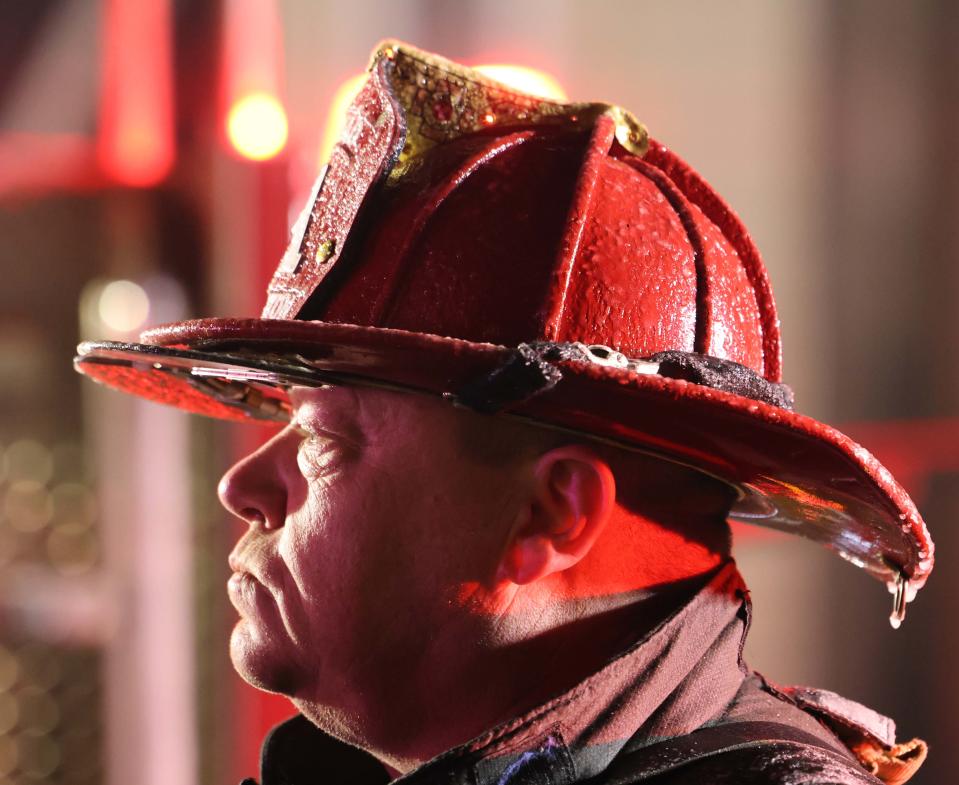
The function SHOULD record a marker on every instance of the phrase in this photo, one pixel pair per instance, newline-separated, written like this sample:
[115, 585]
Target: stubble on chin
[260, 664]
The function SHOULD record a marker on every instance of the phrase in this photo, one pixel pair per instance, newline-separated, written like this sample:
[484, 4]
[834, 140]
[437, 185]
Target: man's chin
[259, 663]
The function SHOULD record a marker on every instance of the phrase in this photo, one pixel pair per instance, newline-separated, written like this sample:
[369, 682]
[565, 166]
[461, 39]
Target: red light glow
[255, 123]
[257, 126]
[135, 142]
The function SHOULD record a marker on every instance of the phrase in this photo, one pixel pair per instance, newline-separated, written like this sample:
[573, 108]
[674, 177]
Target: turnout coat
[677, 706]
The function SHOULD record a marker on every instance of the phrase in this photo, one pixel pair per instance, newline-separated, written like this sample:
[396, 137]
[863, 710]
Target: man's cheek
[319, 544]
[312, 520]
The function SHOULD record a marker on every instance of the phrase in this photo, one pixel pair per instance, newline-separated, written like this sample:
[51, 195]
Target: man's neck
[455, 696]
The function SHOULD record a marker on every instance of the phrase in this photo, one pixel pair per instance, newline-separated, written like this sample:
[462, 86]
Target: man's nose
[256, 489]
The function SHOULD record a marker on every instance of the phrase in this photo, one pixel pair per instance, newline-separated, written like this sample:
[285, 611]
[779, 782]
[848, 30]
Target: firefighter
[527, 367]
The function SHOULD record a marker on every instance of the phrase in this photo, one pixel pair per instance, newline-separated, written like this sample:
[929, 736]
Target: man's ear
[569, 504]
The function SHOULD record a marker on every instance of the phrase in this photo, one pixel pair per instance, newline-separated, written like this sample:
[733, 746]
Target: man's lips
[245, 592]
[249, 587]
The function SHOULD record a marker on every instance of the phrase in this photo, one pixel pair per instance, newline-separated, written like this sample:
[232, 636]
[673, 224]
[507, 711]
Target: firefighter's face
[369, 529]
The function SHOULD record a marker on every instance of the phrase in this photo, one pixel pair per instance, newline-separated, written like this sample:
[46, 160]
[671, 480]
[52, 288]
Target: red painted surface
[549, 233]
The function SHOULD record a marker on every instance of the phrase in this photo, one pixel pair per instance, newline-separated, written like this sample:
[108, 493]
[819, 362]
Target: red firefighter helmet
[544, 261]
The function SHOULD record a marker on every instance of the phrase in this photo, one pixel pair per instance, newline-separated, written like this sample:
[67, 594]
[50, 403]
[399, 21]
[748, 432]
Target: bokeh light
[27, 460]
[69, 462]
[257, 126]
[40, 665]
[38, 711]
[9, 755]
[9, 712]
[9, 669]
[74, 501]
[72, 548]
[39, 757]
[27, 506]
[123, 306]
[10, 544]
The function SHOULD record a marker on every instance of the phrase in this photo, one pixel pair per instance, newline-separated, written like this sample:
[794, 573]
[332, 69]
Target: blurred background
[152, 156]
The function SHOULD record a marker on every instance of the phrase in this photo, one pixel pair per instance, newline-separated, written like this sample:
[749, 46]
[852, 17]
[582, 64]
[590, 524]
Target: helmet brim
[792, 472]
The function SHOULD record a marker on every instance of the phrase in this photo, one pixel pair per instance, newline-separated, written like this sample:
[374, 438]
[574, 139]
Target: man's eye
[314, 441]
[309, 436]
[318, 455]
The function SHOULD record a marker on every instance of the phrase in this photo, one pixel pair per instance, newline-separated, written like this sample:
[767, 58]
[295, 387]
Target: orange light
[135, 143]
[526, 80]
[342, 99]
[257, 126]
